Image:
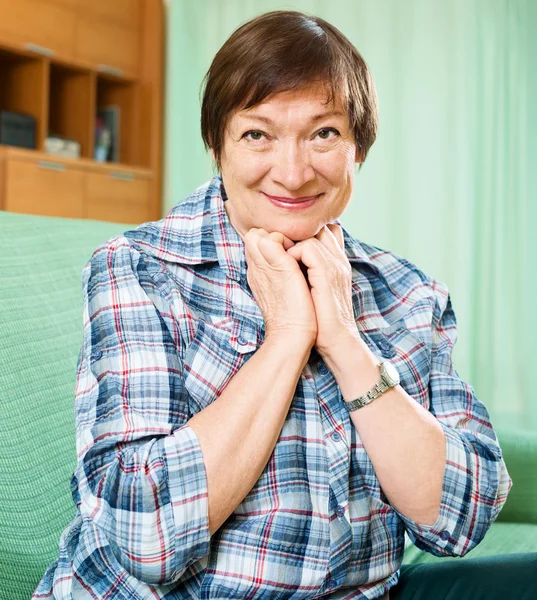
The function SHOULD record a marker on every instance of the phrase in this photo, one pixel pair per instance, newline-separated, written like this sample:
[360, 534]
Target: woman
[227, 444]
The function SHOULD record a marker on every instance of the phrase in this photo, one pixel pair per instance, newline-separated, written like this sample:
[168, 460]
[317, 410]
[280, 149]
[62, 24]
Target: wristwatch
[389, 378]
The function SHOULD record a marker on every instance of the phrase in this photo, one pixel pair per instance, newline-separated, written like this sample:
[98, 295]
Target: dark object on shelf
[107, 134]
[17, 129]
[61, 146]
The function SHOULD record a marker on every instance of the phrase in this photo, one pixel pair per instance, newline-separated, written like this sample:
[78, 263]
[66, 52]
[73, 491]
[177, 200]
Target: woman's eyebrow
[334, 113]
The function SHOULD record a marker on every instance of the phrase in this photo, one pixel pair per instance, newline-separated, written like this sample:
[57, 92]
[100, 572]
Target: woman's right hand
[279, 287]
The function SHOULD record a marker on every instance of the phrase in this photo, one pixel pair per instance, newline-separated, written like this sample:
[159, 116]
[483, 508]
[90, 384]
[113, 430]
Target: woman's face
[291, 147]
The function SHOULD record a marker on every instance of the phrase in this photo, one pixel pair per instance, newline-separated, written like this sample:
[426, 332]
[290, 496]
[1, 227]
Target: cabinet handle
[122, 176]
[52, 166]
[110, 70]
[38, 49]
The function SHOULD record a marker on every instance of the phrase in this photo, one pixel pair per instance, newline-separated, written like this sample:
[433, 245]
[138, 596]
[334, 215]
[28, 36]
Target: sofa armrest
[520, 455]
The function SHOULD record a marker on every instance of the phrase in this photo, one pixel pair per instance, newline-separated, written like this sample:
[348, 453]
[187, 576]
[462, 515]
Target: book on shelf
[107, 134]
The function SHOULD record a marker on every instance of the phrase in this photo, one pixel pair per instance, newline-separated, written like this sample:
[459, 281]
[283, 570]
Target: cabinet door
[118, 197]
[43, 187]
[107, 45]
[123, 12]
[2, 179]
[35, 24]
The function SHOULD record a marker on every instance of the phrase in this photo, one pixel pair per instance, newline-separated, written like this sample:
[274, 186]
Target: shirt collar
[198, 231]
[228, 243]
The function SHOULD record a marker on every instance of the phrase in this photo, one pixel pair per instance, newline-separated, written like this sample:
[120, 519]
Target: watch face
[390, 374]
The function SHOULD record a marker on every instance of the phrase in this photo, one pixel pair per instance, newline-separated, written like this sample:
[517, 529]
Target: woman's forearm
[239, 430]
[404, 441]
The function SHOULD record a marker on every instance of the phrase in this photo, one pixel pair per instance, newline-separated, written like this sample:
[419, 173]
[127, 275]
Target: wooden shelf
[87, 164]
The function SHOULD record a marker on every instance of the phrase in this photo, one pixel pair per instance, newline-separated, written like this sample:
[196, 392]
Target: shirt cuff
[187, 481]
[442, 538]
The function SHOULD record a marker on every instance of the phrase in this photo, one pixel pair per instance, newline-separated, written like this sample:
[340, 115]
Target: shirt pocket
[409, 353]
[217, 351]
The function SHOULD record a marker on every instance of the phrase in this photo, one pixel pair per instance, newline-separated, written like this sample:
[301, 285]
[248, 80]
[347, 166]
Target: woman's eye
[325, 134]
[255, 136]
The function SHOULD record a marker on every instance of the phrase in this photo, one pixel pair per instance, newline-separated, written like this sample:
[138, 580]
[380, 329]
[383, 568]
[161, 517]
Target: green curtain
[449, 180]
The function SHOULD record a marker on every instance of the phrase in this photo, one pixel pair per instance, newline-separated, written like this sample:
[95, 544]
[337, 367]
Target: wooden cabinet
[44, 187]
[61, 61]
[117, 196]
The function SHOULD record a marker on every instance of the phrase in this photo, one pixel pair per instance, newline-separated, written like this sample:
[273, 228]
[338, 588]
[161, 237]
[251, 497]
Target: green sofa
[41, 259]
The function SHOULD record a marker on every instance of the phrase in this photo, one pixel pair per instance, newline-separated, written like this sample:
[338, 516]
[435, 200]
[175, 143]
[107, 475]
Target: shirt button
[98, 355]
[387, 350]
[242, 341]
[330, 584]
[323, 369]
[340, 511]
[336, 436]
[445, 535]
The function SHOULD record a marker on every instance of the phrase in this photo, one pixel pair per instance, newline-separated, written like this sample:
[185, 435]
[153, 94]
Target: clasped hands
[314, 301]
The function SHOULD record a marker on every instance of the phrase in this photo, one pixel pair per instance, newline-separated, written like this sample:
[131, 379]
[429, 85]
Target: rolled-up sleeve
[140, 478]
[476, 481]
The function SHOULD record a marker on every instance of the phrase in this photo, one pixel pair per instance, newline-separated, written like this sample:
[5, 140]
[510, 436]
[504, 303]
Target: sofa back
[41, 260]
[520, 455]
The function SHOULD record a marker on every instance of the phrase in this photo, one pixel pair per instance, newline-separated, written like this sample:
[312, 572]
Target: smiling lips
[292, 203]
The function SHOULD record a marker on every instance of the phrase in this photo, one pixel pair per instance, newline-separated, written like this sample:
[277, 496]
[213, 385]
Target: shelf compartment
[71, 108]
[23, 89]
[112, 91]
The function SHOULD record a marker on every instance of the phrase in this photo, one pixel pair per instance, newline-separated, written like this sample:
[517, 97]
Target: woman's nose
[292, 167]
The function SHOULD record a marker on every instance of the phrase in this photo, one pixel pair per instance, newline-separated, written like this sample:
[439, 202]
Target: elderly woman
[264, 404]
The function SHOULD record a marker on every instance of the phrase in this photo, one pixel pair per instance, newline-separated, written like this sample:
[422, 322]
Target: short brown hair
[280, 51]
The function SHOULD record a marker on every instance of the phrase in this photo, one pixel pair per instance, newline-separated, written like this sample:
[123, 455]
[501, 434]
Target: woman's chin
[297, 231]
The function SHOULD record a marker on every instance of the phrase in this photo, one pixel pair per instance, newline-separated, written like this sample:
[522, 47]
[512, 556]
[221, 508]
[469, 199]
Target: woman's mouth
[292, 203]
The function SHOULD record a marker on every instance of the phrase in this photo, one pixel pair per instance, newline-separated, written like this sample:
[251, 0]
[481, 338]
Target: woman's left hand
[329, 275]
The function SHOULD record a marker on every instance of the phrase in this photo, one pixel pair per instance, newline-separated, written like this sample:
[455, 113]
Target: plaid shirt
[169, 319]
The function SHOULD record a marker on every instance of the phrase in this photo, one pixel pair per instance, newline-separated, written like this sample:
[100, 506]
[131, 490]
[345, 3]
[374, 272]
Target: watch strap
[380, 387]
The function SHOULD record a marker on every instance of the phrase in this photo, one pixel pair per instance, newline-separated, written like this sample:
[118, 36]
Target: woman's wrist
[291, 341]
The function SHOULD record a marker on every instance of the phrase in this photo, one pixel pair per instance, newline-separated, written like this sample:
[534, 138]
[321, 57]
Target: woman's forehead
[315, 101]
